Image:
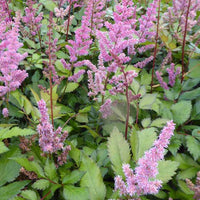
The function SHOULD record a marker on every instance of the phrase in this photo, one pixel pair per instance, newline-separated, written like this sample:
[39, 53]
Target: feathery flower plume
[11, 76]
[50, 141]
[142, 180]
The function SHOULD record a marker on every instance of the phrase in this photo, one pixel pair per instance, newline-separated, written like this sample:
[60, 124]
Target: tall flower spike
[50, 141]
[142, 181]
[11, 76]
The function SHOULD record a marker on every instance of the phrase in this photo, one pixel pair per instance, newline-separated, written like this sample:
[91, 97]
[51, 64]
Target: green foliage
[30, 166]
[41, 184]
[92, 179]
[193, 146]
[15, 132]
[147, 101]
[181, 111]
[142, 141]
[166, 170]
[12, 189]
[118, 150]
[73, 177]
[29, 195]
[76, 193]
[9, 169]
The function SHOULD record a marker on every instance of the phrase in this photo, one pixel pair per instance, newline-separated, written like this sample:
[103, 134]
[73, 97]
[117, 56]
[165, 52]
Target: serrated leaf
[73, 177]
[183, 186]
[3, 147]
[146, 122]
[174, 145]
[75, 193]
[147, 101]
[188, 173]
[145, 140]
[12, 189]
[181, 111]
[71, 87]
[14, 132]
[193, 94]
[9, 169]
[30, 166]
[41, 184]
[29, 194]
[193, 146]
[194, 68]
[166, 170]
[50, 170]
[185, 161]
[92, 179]
[49, 5]
[118, 150]
[160, 122]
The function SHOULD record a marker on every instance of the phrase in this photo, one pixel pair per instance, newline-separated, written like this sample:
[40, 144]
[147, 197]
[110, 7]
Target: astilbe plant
[51, 141]
[142, 180]
[10, 74]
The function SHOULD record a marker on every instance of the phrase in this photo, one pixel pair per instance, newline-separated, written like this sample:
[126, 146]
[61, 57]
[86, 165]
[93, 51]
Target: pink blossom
[142, 180]
[5, 112]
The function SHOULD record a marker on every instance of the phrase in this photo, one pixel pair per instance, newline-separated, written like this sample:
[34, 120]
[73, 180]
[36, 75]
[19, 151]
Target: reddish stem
[68, 22]
[8, 10]
[155, 49]
[45, 195]
[184, 39]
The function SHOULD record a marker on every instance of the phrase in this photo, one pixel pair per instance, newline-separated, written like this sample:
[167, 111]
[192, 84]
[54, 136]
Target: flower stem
[155, 49]
[184, 39]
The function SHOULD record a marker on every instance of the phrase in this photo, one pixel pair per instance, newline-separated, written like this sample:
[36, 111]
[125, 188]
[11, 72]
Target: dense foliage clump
[99, 99]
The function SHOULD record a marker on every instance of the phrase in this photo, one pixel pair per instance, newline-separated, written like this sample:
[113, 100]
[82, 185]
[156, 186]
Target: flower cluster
[50, 141]
[10, 75]
[31, 19]
[171, 74]
[142, 181]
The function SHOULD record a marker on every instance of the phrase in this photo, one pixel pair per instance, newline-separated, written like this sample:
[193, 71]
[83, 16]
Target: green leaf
[160, 122]
[74, 177]
[181, 111]
[118, 150]
[185, 161]
[188, 173]
[92, 179]
[82, 118]
[174, 145]
[183, 186]
[8, 133]
[71, 87]
[75, 193]
[50, 170]
[193, 146]
[41, 184]
[9, 169]
[194, 68]
[30, 166]
[49, 5]
[146, 122]
[147, 101]
[190, 95]
[12, 189]
[3, 147]
[29, 194]
[190, 83]
[166, 170]
[143, 141]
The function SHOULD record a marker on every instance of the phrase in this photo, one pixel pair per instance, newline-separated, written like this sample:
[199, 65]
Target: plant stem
[155, 49]
[70, 5]
[45, 195]
[184, 39]
[51, 98]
